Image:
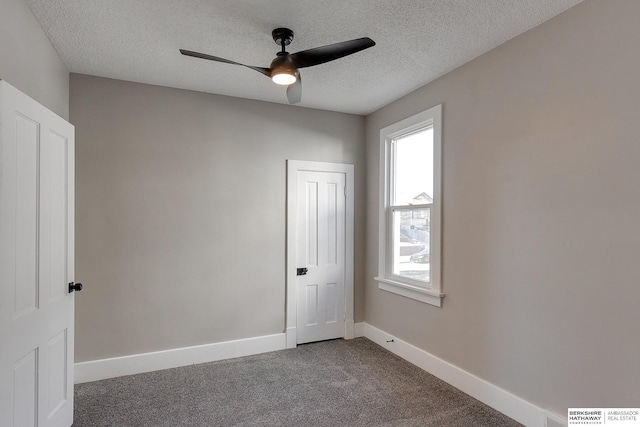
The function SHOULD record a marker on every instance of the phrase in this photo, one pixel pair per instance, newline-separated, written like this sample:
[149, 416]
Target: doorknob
[301, 271]
[75, 287]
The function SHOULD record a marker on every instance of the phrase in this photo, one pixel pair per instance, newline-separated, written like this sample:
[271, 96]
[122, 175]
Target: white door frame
[293, 167]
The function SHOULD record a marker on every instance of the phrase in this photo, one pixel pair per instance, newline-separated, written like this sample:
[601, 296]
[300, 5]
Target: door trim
[293, 167]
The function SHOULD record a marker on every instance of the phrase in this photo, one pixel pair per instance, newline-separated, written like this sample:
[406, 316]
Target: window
[410, 196]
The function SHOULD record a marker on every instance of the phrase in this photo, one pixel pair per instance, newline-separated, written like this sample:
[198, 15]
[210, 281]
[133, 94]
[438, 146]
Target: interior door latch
[301, 271]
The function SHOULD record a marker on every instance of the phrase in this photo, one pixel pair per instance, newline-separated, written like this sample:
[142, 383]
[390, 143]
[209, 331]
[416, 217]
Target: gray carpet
[330, 383]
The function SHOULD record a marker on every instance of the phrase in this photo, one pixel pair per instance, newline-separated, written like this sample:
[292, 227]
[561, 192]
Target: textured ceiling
[417, 41]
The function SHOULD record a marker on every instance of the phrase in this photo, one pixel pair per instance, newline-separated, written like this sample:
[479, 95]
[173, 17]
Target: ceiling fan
[284, 69]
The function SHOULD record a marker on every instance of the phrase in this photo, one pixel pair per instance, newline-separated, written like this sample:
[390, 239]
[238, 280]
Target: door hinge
[345, 191]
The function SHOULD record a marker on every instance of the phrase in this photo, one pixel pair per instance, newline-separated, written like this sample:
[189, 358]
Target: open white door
[319, 252]
[36, 263]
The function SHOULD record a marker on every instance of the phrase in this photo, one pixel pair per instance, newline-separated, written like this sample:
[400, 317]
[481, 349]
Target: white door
[320, 249]
[36, 263]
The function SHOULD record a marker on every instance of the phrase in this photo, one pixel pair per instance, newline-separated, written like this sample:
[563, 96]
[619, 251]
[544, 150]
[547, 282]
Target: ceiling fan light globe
[284, 78]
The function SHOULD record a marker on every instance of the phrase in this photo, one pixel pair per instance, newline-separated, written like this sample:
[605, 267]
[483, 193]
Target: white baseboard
[509, 404]
[358, 330]
[138, 363]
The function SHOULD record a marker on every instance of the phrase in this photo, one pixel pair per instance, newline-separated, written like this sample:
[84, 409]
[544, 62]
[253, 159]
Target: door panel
[320, 247]
[57, 372]
[312, 305]
[332, 224]
[311, 231]
[25, 390]
[331, 307]
[36, 253]
[24, 163]
[56, 203]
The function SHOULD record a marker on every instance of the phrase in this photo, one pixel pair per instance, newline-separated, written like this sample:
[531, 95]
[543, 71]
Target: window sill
[410, 291]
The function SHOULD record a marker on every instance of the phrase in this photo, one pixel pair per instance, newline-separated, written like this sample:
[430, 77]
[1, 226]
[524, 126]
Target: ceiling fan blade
[294, 90]
[320, 55]
[264, 71]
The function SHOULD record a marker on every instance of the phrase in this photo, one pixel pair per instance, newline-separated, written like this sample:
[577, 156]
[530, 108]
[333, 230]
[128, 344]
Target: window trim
[386, 279]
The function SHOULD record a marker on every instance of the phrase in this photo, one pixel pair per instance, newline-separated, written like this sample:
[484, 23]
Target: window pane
[411, 244]
[413, 168]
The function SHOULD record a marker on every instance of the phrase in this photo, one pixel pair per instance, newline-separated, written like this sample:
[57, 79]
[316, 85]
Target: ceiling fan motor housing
[283, 63]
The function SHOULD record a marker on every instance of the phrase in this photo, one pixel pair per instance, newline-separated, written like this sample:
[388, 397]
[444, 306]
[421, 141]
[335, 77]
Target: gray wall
[28, 61]
[181, 202]
[180, 212]
[541, 195]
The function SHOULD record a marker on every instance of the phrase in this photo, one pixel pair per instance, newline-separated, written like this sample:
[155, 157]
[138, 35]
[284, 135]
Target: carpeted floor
[330, 383]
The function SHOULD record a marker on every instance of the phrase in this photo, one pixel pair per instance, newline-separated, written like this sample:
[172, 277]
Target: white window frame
[428, 293]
